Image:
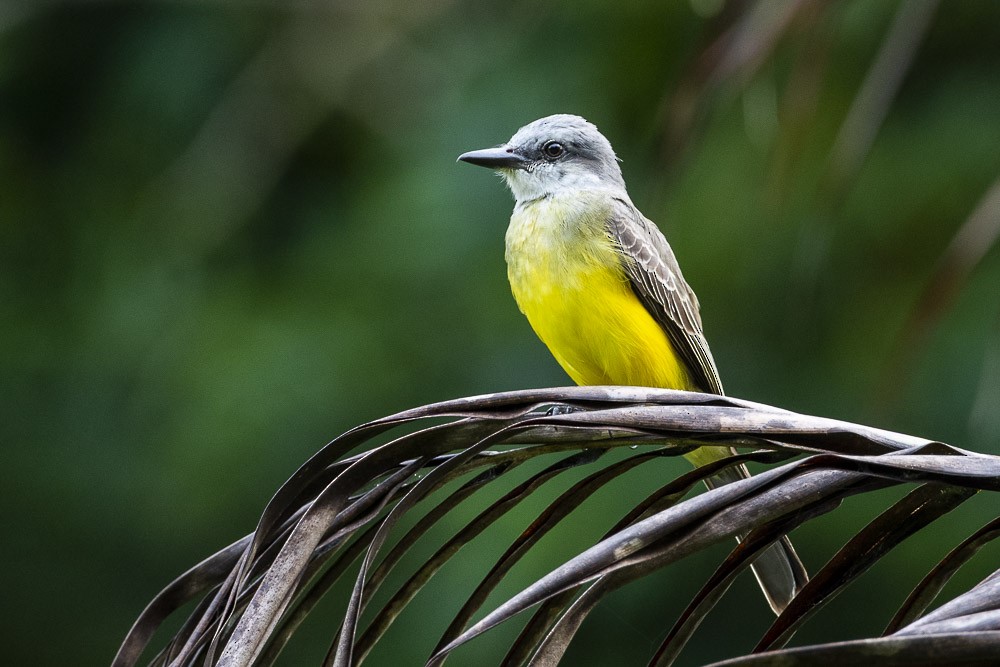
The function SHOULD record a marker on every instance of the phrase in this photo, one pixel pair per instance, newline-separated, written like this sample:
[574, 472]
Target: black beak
[501, 157]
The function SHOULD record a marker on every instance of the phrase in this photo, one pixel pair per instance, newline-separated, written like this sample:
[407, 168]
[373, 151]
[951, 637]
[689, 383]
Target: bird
[601, 287]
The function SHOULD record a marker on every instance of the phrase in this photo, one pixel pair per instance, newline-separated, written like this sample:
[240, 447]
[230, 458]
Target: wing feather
[659, 284]
[657, 281]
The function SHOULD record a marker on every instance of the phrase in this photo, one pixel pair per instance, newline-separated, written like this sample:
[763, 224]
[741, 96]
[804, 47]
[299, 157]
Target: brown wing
[656, 279]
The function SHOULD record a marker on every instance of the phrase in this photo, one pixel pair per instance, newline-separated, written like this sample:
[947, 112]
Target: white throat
[545, 181]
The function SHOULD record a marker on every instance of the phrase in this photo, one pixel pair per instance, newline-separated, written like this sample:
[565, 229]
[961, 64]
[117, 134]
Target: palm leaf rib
[342, 508]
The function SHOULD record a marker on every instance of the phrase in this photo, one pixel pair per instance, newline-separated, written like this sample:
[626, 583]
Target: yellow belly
[567, 278]
[598, 330]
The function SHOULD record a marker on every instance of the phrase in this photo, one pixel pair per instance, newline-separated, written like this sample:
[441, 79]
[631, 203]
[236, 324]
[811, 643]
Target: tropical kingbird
[601, 287]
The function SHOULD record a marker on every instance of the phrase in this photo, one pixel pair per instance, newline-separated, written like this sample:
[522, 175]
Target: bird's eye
[553, 149]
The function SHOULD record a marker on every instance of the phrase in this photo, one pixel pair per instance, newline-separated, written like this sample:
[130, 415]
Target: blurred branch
[299, 7]
[239, 154]
[850, 148]
[984, 418]
[727, 63]
[879, 89]
[13, 14]
[271, 108]
[973, 240]
[798, 106]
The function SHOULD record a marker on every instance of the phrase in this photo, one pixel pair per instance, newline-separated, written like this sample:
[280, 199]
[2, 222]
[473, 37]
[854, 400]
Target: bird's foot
[557, 410]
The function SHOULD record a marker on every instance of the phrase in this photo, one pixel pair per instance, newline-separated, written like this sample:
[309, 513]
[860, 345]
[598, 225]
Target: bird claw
[557, 410]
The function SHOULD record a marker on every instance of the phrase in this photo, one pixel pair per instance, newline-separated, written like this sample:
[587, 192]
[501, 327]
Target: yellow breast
[567, 278]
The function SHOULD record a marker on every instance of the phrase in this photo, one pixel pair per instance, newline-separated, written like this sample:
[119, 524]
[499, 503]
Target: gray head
[561, 152]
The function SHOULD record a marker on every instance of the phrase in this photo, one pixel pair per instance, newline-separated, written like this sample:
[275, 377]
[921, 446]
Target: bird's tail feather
[778, 569]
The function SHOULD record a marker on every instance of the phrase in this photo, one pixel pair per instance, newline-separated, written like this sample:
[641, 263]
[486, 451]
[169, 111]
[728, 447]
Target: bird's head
[553, 154]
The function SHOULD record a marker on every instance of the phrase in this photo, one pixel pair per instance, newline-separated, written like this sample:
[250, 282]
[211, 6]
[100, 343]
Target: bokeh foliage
[229, 231]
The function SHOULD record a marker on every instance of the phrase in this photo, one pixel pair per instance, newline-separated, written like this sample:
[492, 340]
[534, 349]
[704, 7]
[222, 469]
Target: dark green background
[230, 231]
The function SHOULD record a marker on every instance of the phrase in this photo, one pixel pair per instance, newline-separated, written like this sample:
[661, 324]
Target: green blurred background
[231, 230]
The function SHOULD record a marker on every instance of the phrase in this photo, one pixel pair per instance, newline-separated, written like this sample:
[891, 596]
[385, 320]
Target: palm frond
[342, 507]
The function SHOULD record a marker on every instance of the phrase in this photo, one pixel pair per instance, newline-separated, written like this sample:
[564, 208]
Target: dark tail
[778, 569]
